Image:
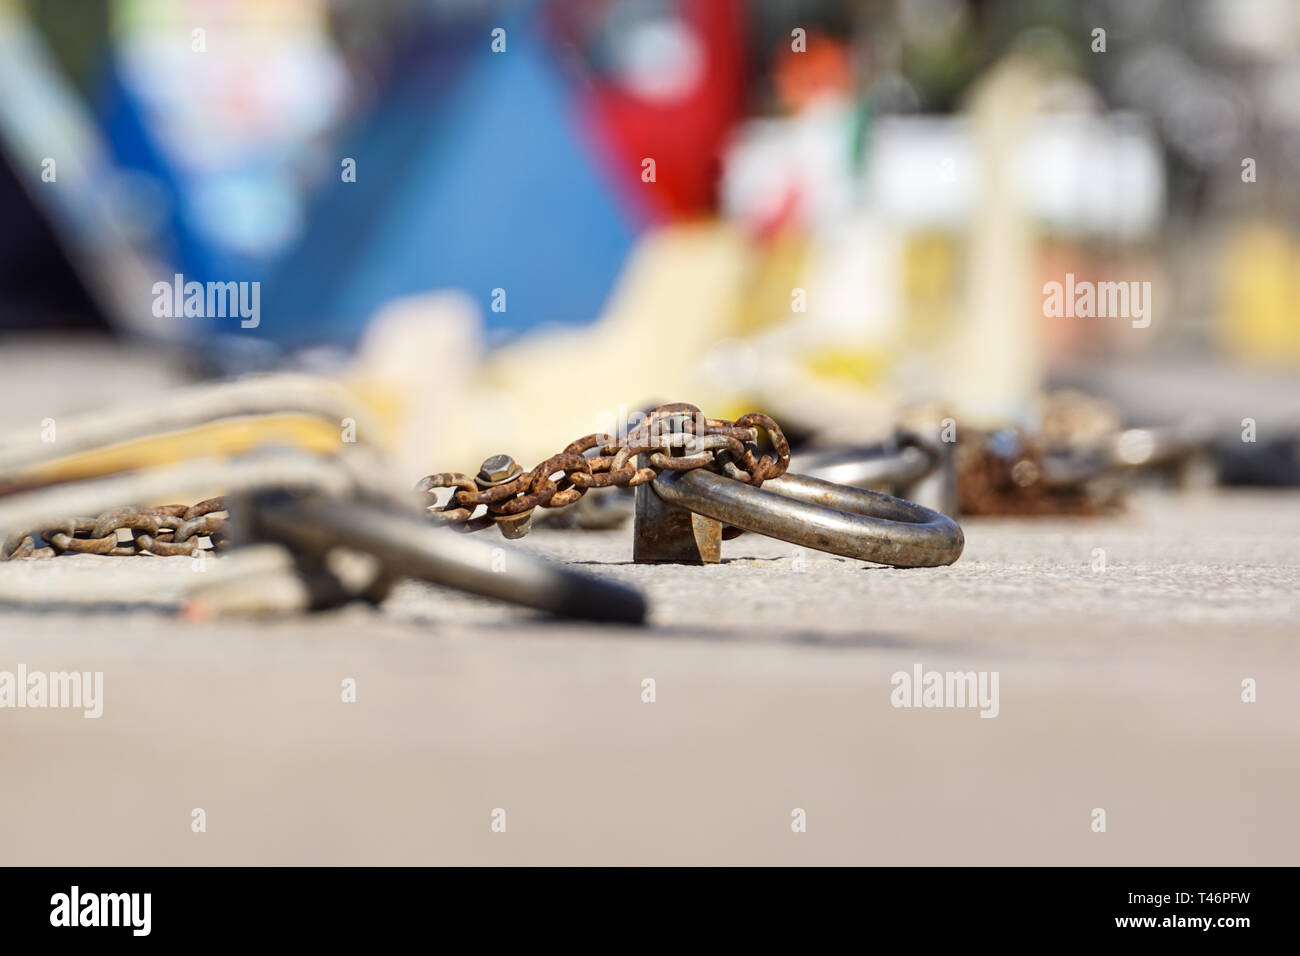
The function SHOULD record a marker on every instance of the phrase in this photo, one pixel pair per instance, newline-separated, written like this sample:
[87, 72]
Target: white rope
[184, 408]
[189, 481]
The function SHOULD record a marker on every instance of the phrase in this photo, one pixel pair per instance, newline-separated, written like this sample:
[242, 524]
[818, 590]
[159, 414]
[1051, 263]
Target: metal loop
[887, 464]
[817, 514]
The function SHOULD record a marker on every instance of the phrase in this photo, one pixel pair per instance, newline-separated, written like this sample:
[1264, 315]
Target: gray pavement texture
[1120, 689]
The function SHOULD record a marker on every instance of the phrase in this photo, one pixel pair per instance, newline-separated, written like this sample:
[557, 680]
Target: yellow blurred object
[679, 295]
[775, 282]
[222, 438]
[995, 354]
[1259, 319]
[859, 366]
[930, 277]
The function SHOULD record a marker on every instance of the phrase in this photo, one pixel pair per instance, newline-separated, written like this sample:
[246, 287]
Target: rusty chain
[165, 531]
[1002, 472]
[674, 437]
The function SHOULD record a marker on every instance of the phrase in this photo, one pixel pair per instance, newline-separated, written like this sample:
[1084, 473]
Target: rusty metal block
[666, 534]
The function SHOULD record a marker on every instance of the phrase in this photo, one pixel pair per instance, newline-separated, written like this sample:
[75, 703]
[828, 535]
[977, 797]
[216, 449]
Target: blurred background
[503, 222]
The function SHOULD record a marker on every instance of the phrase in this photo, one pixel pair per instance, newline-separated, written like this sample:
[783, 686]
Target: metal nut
[498, 468]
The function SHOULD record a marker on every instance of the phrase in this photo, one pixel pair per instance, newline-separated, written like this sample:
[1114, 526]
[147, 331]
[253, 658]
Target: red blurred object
[673, 99]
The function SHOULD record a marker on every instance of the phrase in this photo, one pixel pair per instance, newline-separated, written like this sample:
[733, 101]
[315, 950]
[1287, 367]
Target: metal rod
[409, 547]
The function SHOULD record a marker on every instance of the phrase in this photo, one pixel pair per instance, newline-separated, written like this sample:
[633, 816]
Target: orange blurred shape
[821, 68]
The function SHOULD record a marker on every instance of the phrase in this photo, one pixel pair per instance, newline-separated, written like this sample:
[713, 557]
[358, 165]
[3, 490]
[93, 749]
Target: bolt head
[498, 468]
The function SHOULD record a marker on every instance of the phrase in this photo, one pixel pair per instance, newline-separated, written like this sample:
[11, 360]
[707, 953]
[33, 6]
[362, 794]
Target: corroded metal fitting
[497, 470]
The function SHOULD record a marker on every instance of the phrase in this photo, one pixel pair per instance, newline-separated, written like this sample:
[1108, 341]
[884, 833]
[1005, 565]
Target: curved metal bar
[916, 466]
[819, 514]
[864, 467]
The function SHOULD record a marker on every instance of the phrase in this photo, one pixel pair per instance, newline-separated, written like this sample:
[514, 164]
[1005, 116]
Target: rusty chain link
[165, 531]
[674, 437]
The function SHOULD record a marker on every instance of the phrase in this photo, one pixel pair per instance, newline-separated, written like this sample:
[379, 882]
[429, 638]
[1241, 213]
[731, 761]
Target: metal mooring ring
[822, 515]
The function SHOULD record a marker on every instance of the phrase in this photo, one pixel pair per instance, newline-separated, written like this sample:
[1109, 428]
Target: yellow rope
[222, 438]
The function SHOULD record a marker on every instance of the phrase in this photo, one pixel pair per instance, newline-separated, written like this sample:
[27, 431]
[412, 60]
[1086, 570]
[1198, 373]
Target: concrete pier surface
[1118, 690]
